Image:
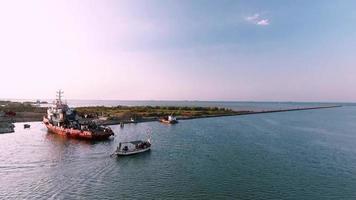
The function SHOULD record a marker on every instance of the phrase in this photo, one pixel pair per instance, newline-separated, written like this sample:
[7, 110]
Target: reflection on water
[294, 155]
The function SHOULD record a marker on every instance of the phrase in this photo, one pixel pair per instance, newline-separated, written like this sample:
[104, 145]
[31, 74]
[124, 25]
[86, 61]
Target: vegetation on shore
[9, 106]
[26, 111]
[140, 112]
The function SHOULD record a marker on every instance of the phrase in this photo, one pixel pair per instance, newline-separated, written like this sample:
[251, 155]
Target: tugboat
[169, 120]
[63, 120]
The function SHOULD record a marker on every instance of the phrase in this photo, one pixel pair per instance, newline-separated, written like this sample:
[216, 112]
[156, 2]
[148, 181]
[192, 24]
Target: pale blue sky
[179, 50]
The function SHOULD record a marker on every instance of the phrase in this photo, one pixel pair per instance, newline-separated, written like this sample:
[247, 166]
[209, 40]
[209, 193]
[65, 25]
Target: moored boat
[64, 121]
[169, 120]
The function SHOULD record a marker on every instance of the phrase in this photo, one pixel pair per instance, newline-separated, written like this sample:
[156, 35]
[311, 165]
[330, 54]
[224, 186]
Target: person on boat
[146, 144]
[125, 148]
[119, 147]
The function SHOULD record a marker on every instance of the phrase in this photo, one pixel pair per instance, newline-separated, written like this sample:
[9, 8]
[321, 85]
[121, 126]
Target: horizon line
[242, 101]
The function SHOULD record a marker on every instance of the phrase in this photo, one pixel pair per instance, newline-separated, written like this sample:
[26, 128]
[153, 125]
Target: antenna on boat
[149, 134]
[59, 96]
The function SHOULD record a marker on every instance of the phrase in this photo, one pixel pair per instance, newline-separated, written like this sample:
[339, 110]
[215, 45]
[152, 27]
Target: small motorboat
[6, 127]
[26, 126]
[133, 147]
[169, 120]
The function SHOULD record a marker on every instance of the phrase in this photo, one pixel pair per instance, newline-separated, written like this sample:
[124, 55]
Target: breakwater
[235, 113]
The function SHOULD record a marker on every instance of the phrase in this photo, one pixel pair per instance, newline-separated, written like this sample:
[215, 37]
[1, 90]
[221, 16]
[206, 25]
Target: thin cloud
[263, 22]
[253, 17]
[257, 20]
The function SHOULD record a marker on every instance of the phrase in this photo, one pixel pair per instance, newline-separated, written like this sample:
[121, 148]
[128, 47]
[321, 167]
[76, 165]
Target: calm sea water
[293, 155]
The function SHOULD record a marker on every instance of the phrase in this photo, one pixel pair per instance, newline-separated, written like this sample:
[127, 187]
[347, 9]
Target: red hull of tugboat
[78, 134]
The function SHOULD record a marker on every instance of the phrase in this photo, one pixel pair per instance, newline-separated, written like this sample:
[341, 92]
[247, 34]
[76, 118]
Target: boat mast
[59, 96]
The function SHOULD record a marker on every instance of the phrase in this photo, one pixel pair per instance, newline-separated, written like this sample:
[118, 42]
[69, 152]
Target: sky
[276, 50]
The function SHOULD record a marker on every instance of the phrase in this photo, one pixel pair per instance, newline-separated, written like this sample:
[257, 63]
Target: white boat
[133, 147]
[169, 120]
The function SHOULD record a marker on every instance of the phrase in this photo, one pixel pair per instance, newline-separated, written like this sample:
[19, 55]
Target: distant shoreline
[37, 117]
[12, 112]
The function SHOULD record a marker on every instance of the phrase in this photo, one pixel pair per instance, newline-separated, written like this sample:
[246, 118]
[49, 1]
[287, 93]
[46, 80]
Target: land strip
[27, 112]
